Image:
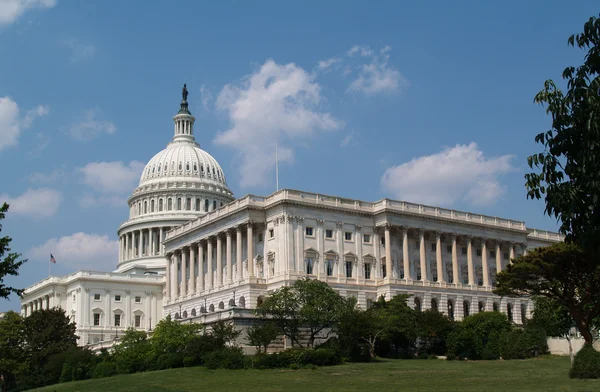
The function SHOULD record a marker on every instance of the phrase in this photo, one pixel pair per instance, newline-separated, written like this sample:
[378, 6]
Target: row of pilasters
[44, 302]
[469, 240]
[207, 255]
[140, 243]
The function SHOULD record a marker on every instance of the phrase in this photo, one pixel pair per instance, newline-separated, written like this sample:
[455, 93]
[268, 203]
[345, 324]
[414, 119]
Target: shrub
[523, 343]
[225, 358]
[169, 361]
[105, 369]
[587, 363]
[296, 359]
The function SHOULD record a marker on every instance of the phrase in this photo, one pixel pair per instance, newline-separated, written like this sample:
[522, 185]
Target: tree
[309, 304]
[433, 328]
[561, 272]
[11, 350]
[169, 341]
[262, 335]
[132, 353]
[46, 332]
[554, 319]
[224, 332]
[10, 265]
[569, 176]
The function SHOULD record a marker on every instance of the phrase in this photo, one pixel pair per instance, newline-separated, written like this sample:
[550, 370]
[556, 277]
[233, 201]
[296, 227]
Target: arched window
[495, 307]
[418, 304]
[214, 204]
[145, 207]
[193, 312]
[221, 305]
[205, 205]
[451, 309]
[481, 306]
[169, 204]
[188, 204]
[178, 203]
[434, 304]
[187, 166]
[211, 308]
[523, 313]
[509, 312]
[195, 167]
[466, 308]
[152, 205]
[140, 208]
[180, 167]
[259, 300]
[160, 204]
[198, 204]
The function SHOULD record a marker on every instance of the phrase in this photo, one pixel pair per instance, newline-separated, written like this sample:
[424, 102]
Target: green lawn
[545, 374]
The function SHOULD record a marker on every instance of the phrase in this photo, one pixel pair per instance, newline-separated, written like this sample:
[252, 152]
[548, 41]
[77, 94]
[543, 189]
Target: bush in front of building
[105, 369]
[296, 358]
[586, 364]
[225, 358]
[477, 337]
[522, 343]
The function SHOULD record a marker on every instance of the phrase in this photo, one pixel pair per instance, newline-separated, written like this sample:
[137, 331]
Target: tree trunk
[583, 326]
[570, 350]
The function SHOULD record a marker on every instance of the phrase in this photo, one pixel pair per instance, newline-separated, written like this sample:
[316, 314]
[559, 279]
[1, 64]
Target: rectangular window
[117, 298]
[449, 248]
[117, 320]
[96, 319]
[348, 269]
[214, 205]
[382, 241]
[260, 237]
[464, 250]
[309, 231]
[138, 320]
[309, 266]
[271, 233]
[492, 253]
[96, 297]
[328, 233]
[478, 252]
[433, 249]
[367, 238]
[138, 300]
[348, 236]
[383, 271]
[329, 267]
[367, 271]
[505, 255]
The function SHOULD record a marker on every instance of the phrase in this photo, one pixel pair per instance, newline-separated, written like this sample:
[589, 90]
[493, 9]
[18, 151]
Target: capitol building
[191, 250]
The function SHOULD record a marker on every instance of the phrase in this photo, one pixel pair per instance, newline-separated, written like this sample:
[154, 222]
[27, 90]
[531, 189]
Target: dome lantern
[184, 121]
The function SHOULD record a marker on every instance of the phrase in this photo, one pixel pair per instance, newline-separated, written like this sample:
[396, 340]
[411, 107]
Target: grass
[543, 374]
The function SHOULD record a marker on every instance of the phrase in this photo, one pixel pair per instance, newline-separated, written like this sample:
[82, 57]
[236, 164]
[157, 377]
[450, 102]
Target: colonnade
[183, 280]
[140, 243]
[36, 304]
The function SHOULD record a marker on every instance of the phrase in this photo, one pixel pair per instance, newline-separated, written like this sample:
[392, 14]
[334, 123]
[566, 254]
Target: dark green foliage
[432, 332]
[224, 332]
[478, 336]
[523, 343]
[261, 335]
[10, 265]
[197, 347]
[587, 363]
[73, 364]
[225, 358]
[105, 369]
[133, 352]
[170, 338]
[297, 358]
[561, 272]
[11, 348]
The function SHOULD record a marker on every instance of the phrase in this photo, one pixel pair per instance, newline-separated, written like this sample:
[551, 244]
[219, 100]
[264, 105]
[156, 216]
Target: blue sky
[430, 102]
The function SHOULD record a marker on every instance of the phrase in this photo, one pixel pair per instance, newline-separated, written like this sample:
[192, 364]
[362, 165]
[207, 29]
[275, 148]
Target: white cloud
[111, 181]
[79, 250]
[54, 177]
[91, 126]
[11, 10]
[80, 51]
[35, 203]
[277, 99]
[347, 139]
[206, 97]
[11, 124]
[325, 64]
[377, 76]
[460, 173]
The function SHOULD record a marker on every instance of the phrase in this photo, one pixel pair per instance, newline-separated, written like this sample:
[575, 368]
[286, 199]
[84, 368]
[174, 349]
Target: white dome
[183, 161]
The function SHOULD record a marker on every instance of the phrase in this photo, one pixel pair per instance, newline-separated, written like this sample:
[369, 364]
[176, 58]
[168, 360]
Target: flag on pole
[52, 259]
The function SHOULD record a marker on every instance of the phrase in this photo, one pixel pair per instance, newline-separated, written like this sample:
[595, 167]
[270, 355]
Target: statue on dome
[184, 92]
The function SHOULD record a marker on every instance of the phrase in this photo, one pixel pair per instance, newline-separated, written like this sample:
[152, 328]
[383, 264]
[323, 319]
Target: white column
[209, 269]
[454, 261]
[228, 257]
[358, 240]
[438, 258]
[250, 251]
[160, 241]
[219, 262]
[512, 252]
[174, 284]
[120, 249]
[139, 249]
[484, 263]
[200, 267]
[238, 253]
[422, 255]
[388, 253]
[470, 260]
[525, 249]
[498, 258]
[152, 246]
[406, 254]
[341, 273]
[192, 285]
[126, 257]
[184, 267]
[168, 279]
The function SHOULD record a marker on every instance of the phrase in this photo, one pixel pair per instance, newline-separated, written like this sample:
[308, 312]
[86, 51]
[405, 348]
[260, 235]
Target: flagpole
[49, 268]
